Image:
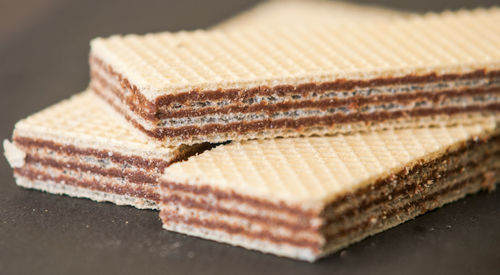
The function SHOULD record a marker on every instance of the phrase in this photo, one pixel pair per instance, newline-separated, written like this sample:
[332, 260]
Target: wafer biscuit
[79, 148]
[307, 197]
[294, 80]
[271, 13]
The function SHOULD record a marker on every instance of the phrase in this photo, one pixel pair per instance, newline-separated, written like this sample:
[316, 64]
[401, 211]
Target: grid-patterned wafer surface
[269, 13]
[83, 120]
[317, 169]
[169, 63]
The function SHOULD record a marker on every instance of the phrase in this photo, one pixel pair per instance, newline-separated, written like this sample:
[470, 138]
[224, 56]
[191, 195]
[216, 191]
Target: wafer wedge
[190, 87]
[80, 148]
[306, 197]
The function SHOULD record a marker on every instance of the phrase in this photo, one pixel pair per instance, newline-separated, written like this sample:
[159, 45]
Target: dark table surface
[43, 59]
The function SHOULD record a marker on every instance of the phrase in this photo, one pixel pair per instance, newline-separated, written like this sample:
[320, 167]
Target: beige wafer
[294, 80]
[270, 13]
[306, 197]
[79, 147]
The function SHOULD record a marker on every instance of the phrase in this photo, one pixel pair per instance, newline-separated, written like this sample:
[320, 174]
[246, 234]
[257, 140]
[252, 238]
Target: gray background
[43, 59]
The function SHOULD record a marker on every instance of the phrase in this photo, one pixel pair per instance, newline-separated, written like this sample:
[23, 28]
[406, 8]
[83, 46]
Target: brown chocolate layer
[136, 98]
[296, 123]
[419, 204]
[133, 177]
[353, 102]
[236, 94]
[203, 205]
[411, 188]
[150, 164]
[224, 195]
[327, 121]
[137, 191]
[135, 105]
[241, 230]
[125, 115]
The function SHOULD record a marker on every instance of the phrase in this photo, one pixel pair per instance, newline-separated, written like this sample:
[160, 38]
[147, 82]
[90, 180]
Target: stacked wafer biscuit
[306, 197]
[338, 129]
[293, 80]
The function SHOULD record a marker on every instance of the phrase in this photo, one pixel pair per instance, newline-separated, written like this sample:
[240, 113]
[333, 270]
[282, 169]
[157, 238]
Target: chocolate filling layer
[324, 104]
[202, 205]
[352, 102]
[419, 204]
[326, 121]
[132, 177]
[132, 102]
[298, 123]
[218, 194]
[138, 161]
[137, 191]
[240, 230]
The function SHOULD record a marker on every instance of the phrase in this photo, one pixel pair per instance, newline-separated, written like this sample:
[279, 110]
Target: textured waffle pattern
[316, 169]
[270, 13]
[168, 63]
[84, 120]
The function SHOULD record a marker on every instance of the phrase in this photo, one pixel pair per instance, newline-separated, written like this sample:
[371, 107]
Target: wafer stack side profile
[307, 197]
[284, 81]
[80, 148]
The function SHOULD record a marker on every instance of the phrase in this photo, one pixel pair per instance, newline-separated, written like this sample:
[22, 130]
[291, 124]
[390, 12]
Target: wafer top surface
[83, 120]
[317, 169]
[308, 12]
[169, 63]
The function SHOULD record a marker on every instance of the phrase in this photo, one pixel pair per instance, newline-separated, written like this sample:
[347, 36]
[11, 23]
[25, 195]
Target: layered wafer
[271, 13]
[295, 80]
[307, 197]
[80, 148]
